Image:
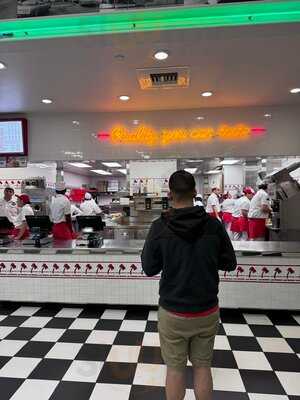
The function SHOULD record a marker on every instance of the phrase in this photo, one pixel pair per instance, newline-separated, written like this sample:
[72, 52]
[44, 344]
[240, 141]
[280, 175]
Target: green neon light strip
[234, 14]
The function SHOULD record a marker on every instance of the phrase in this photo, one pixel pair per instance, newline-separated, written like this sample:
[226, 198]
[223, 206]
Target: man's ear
[170, 196]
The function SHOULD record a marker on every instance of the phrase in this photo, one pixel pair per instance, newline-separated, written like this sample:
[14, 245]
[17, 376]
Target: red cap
[248, 190]
[24, 197]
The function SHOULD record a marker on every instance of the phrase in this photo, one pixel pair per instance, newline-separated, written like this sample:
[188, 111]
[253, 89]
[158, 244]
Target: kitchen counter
[267, 275]
[136, 246]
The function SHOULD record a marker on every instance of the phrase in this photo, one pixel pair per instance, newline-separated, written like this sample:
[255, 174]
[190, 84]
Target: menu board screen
[13, 137]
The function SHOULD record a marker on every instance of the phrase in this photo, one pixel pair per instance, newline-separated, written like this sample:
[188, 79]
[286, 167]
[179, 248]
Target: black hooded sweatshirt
[188, 247]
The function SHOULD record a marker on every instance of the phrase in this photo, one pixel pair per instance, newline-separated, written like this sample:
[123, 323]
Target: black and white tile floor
[80, 353]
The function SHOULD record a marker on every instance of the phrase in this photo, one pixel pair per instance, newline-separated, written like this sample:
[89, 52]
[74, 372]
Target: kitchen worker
[235, 229]
[213, 204]
[198, 201]
[21, 230]
[258, 213]
[8, 206]
[227, 209]
[244, 205]
[89, 206]
[61, 214]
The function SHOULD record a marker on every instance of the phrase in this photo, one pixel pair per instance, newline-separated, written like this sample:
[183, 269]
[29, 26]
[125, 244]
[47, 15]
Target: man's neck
[183, 204]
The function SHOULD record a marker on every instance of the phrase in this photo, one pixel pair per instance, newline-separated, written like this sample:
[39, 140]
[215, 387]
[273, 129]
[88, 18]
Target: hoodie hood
[188, 223]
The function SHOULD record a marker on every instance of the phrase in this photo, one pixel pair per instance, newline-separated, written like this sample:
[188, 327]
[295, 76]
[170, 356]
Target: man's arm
[152, 260]
[227, 258]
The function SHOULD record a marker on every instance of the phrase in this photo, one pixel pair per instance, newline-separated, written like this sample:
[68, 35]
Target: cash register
[40, 226]
[5, 227]
[90, 227]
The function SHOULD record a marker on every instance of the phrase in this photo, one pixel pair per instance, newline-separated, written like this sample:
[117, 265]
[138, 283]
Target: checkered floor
[60, 353]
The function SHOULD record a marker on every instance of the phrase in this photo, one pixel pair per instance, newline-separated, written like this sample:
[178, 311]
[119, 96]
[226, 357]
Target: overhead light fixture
[75, 122]
[268, 115]
[101, 172]
[80, 165]
[295, 91]
[191, 170]
[2, 66]
[213, 171]
[206, 94]
[124, 98]
[112, 164]
[229, 162]
[135, 122]
[161, 55]
[200, 118]
[47, 101]
[193, 161]
[264, 160]
[123, 171]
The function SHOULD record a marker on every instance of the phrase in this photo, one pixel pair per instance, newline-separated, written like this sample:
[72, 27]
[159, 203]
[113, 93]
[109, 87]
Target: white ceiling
[243, 66]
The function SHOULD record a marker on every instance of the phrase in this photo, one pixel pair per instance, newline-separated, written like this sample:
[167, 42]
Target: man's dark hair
[182, 185]
[8, 189]
[263, 186]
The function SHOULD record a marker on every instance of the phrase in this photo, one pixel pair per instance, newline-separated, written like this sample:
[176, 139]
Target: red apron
[227, 217]
[62, 231]
[244, 224]
[257, 228]
[16, 231]
[235, 225]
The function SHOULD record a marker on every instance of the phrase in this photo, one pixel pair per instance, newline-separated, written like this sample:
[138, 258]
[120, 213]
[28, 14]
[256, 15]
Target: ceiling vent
[163, 78]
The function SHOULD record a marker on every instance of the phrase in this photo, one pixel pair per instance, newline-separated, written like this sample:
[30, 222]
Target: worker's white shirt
[89, 207]
[259, 199]
[236, 211]
[244, 203]
[227, 205]
[8, 209]
[21, 216]
[213, 200]
[60, 207]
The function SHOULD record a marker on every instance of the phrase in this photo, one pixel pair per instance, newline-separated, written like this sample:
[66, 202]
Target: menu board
[12, 137]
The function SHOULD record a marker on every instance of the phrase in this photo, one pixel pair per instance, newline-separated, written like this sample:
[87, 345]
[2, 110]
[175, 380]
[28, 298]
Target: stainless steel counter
[136, 246]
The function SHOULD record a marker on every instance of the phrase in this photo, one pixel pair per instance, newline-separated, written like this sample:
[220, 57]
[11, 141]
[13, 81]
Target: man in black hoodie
[188, 247]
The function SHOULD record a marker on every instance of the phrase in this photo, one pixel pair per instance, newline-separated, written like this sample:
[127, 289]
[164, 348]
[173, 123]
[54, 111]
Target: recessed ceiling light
[80, 165]
[124, 98]
[112, 164]
[191, 170]
[123, 171]
[161, 55]
[101, 172]
[47, 101]
[295, 90]
[229, 162]
[2, 66]
[200, 118]
[206, 94]
[213, 171]
[268, 115]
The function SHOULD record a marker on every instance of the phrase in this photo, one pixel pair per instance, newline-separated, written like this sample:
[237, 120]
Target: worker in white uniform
[235, 229]
[89, 206]
[21, 230]
[61, 214]
[258, 213]
[213, 207]
[227, 209]
[8, 206]
[244, 205]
